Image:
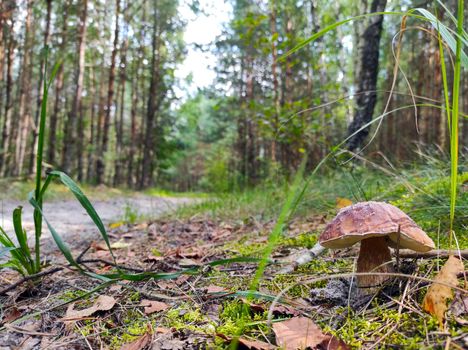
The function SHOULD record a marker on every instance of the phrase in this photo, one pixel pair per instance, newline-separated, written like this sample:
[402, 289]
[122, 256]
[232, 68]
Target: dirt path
[71, 221]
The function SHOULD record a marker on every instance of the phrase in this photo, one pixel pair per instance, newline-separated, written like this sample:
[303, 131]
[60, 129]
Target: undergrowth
[422, 192]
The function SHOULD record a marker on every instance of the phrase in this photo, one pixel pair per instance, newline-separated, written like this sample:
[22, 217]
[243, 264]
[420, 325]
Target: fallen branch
[29, 278]
[39, 274]
[438, 253]
[304, 258]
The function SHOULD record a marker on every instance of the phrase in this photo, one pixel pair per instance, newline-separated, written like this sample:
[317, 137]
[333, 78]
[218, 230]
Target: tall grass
[454, 116]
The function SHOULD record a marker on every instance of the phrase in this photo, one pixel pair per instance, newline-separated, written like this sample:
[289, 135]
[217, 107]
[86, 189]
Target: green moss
[411, 332]
[156, 252]
[189, 317]
[305, 240]
[232, 283]
[281, 282]
[71, 294]
[237, 318]
[134, 297]
[243, 247]
[134, 326]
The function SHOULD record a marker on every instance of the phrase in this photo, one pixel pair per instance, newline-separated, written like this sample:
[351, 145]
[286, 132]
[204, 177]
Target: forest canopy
[116, 117]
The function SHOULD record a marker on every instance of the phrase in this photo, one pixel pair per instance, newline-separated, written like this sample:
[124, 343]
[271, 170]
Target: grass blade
[425, 16]
[22, 237]
[85, 203]
[58, 240]
[454, 119]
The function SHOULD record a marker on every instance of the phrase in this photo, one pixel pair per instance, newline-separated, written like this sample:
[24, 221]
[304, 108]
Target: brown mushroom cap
[374, 219]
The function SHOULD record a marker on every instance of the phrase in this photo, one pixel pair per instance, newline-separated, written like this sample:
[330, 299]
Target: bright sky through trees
[202, 29]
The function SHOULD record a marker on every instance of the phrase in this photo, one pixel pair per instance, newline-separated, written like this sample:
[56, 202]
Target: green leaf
[58, 240]
[446, 35]
[85, 203]
[425, 16]
[21, 235]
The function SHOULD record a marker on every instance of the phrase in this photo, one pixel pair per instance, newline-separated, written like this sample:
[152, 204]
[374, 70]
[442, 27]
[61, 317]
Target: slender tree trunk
[71, 147]
[251, 137]
[92, 125]
[24, 113]
[100, 119]
[367, 97]
[276, 94]
[119, 125]
[133, 129]
[154, 96]
[100, 166]
[40, 90]
[52, 150]
[5, 155]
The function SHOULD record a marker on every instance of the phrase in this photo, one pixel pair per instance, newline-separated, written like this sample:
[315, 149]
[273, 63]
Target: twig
[40, 274]
[28, 278]
[78, 259]
[442, 253]
[107, 262]
[398, 249]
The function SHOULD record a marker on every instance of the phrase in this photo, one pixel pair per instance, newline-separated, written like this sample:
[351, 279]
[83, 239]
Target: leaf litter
[191, 312]
[435, 301]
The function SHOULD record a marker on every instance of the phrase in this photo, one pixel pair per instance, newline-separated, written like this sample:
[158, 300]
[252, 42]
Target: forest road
[74, 225]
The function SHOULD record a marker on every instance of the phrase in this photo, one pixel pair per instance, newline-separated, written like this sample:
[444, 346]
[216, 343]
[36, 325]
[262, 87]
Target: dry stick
[107, 262]
[438, 253]
[30, 277]
[40, 274]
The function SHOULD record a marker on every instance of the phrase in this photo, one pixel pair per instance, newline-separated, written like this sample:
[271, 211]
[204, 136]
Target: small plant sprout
[377, 226]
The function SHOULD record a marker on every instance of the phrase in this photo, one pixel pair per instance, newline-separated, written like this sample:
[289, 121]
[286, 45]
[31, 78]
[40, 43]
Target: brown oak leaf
[435, 301]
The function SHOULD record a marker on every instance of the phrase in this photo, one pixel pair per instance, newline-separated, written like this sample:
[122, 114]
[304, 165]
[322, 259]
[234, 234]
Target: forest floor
[199, 305]
[70, 219]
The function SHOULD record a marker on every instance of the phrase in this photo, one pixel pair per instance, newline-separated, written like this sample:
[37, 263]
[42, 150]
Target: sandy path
[71, 221]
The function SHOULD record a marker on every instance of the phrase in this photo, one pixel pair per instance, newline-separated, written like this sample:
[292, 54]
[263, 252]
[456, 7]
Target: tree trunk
[5, 155]
[92, 125]
[367, 84]
[70, 145]
[276, 94]
[24, 113]
[155, 96]
[51, 150]
[133, 130]
[119, 123]
[40, 91]
[100, 168]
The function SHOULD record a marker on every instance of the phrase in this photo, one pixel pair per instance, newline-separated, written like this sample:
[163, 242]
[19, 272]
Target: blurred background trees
[114, 117]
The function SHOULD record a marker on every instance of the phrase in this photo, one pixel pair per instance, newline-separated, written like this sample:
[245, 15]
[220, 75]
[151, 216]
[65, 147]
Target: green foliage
[131, 215]
[429, 206]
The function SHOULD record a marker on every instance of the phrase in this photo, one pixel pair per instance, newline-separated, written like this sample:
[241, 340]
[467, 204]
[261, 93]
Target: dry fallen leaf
[215, 289]
[120, 244]
[11, 315]
[248, 344]
[152, 306]
[343, 202]
[102, 303]
[138, 343]
[435, 301]
[301, 333]
[278, 309]
[114, 225]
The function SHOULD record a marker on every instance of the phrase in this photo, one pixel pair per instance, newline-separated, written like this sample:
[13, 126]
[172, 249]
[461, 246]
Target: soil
[70, 220]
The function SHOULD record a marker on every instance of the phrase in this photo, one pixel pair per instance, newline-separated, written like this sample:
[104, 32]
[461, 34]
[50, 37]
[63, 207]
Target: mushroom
[377, 225]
